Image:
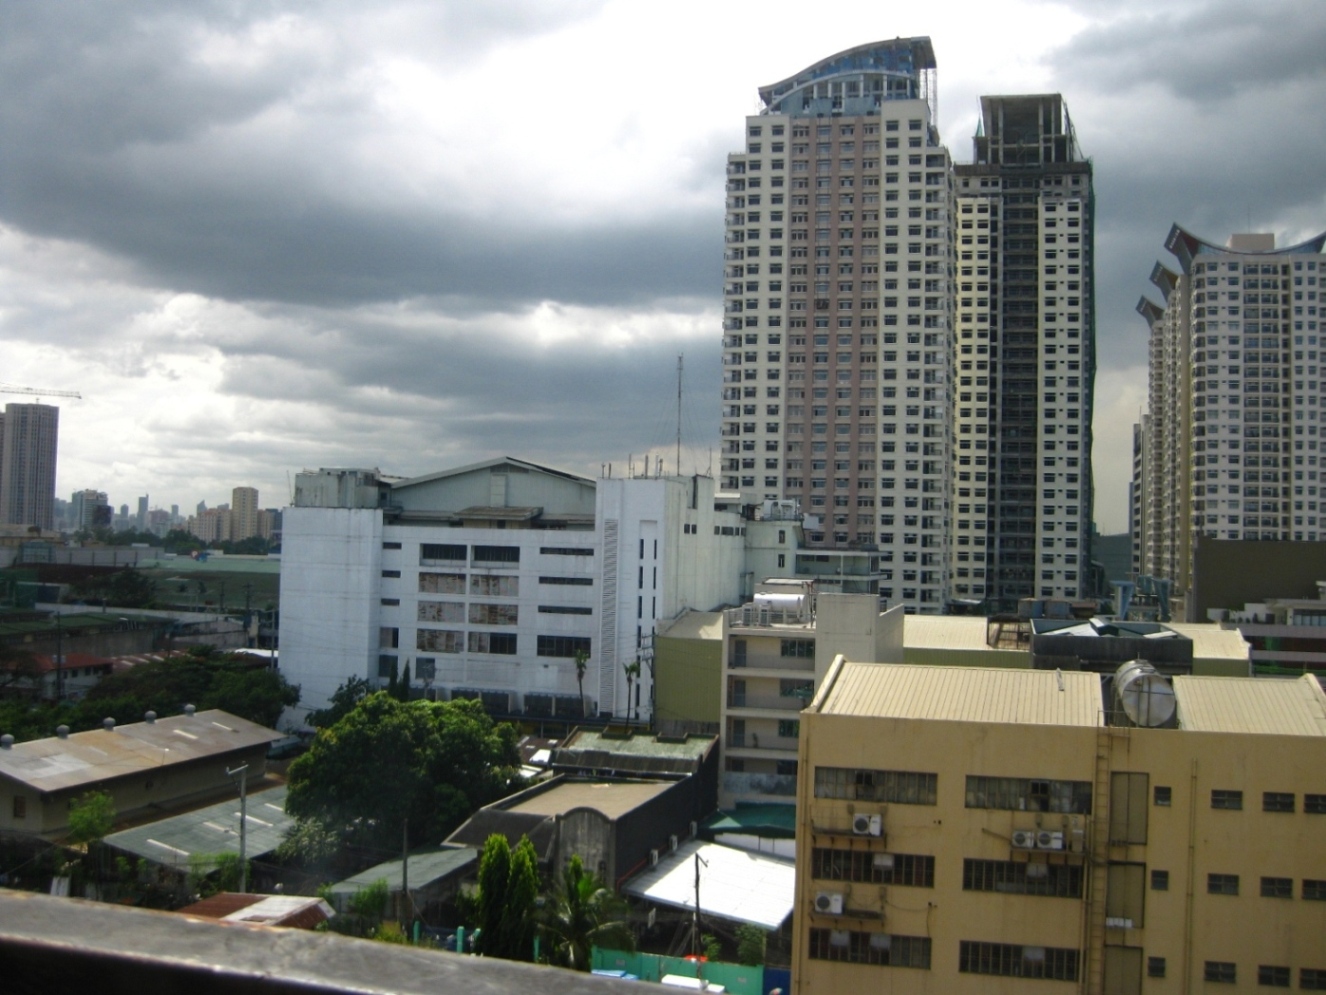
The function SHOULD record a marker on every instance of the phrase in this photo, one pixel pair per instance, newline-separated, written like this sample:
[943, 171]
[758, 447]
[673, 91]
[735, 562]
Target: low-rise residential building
[970, 829]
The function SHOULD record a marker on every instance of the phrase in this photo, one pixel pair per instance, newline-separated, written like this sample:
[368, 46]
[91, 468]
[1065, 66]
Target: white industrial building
[487, 579]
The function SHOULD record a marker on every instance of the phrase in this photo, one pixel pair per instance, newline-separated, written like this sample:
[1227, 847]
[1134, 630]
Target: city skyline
[265, 243]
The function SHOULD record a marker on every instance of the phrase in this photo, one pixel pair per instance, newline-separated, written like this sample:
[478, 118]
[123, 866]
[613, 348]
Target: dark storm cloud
[1202, 53]
[142, 133]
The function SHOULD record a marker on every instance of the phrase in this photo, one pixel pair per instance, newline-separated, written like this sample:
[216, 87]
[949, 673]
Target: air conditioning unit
[829, 903]
[1024, 839]
[672, 842]
[653, 858]
[867, 825]
[1047, 840]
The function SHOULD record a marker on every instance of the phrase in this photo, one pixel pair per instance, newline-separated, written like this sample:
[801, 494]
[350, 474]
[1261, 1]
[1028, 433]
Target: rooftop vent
[189, 709]
[150, 717]
[108, 724]
[6, 741]
[62, 732]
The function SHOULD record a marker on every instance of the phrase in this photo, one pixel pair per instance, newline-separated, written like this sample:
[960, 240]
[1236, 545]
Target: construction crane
[10, 388]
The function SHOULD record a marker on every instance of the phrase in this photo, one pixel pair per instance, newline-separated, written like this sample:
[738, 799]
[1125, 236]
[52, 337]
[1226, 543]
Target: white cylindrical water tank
[1146, 696]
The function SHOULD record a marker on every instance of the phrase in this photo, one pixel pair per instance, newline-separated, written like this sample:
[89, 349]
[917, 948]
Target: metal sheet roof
[734, 884]
[945, 632]
[425, 867]
[963, 694]
[211, 830]
[87, 758]
[1264, 705]
[612, 798]
[1210, 642]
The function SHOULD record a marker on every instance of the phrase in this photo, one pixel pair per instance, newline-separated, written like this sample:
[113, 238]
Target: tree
[751, 942]
[508, 888]
[403, 686]
[582, 665]
[343, 701]
[582, 914]
[387, 760]
[632, 675]
[91, 817]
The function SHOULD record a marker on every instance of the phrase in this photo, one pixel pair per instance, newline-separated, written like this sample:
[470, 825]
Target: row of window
[484, 585]
[1224, 972]
[499, 643]
[1228, 884]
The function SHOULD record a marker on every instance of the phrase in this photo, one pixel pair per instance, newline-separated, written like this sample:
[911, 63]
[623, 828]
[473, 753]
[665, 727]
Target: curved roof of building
[1186, 246]
[904, 56]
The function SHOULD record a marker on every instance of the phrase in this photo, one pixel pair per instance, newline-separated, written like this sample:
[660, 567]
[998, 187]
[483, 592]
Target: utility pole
[243, 773]
[405, 870]
[695, 914]
[679, 359]
[59, 660]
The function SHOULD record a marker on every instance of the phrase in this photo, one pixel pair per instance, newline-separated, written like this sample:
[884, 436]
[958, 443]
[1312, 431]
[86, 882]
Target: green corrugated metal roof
[426, 866]
[767, 820]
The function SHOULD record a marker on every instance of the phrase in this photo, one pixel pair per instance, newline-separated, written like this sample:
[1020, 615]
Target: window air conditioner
[867, 825]
[1024, 839]
[829, 903]
[1047, 840]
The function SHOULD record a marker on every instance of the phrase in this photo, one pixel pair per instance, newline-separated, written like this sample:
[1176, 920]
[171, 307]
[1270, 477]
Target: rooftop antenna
[679, 359]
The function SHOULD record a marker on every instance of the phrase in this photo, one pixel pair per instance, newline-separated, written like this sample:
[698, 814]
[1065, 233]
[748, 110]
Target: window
[1125, 893]
[1155, 967]
[494, 587]
[1314, 891]
[391, 573]
[1160, 880]
[441, 551]
[1163, 796]
[563, 646]
[1220, 971]
[1312, 979]
[801, 648]
[789, 728]
[1277, 887]
[915, 870]
[1015, 793]
[388, 639]
[1012, 960]
[1222, 884]
[882, 949]
[441, 583]
[573, 581]
[20, 808]
[481, 614]
[1128, 807]
[386, 665]
[898, 786]
[565, 610]
[1277, 801]
[1008, 877]
[389, 602]
[440, 640]
[441, 611]
[496, 554]
[1227, 799]
[565, 551]
[391, 545]
[1314, 804]
[502, 643]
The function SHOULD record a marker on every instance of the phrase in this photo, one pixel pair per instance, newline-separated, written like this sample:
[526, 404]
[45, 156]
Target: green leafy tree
[751, 944]
[508, 889]
[91, 817]
[583, 913]
[403, 687]
[343, 701]
[387, 761]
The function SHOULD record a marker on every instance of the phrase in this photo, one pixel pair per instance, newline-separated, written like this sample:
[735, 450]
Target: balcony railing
[742, 784]
[755, 741]
[761, 661]
[779, 702]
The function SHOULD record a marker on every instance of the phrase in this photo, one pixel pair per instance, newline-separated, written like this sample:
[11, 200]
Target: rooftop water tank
[1146, 696]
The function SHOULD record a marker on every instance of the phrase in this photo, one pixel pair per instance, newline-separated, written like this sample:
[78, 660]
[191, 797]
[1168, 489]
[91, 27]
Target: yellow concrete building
[967, 829]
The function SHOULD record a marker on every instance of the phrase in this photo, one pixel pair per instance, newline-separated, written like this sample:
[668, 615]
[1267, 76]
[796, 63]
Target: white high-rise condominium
[1233, 445]
[838, 345]
[1026, 357]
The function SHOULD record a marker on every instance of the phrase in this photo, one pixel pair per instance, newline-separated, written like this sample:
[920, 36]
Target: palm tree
[632, 675]
[582, 664]
[582, 914]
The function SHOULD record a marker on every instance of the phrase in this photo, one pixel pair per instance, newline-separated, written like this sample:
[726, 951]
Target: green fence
[739, 979]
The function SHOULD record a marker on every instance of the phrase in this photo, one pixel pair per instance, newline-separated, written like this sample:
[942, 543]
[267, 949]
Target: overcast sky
[264, 236]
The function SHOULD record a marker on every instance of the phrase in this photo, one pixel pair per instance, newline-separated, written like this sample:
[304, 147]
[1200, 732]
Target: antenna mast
[679, 359]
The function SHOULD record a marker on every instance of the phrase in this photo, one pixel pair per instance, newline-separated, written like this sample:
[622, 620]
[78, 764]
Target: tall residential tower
[1026, 356]
[28, 441]
[838, 326]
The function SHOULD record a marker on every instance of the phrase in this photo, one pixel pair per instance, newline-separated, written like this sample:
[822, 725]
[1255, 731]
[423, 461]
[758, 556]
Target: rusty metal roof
[962, 694]
[87, 758]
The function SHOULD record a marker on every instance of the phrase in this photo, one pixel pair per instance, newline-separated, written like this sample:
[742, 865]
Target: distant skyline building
[89, 509]
[1232, 444]
[1026, 356]
[142, 513]
[29, 440]
[908, 345]
[243, 513]
[838, 326]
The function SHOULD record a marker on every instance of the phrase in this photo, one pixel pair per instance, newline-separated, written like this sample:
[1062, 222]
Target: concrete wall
[330, 573]
[1229, 573]
[688, 679]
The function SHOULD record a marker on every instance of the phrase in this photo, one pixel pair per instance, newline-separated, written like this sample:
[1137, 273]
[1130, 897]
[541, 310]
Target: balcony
[776, 702]
[763, 661]
[742, 785]
[755, 741]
